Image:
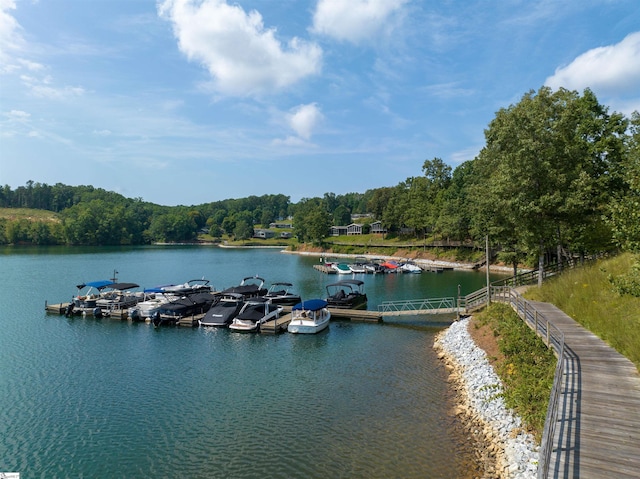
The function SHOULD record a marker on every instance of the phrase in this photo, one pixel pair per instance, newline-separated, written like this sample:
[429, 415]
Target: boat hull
[307, 327]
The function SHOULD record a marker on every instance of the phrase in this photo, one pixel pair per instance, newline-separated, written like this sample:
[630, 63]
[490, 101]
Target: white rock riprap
[516, 451]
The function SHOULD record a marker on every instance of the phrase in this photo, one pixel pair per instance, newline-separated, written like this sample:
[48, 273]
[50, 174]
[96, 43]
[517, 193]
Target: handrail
[417, 305]
[473, 300]
[553, 338]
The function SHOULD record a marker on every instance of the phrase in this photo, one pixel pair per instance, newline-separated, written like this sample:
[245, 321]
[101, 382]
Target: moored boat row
[361, 265]
[243, 308]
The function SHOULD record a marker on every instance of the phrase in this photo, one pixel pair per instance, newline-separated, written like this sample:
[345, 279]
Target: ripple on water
[103, 398]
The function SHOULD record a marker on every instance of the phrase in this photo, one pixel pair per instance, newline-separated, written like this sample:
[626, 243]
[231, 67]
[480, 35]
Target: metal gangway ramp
[419, 306]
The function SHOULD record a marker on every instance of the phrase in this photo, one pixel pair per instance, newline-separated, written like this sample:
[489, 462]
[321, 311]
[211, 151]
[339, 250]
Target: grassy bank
[592, 296]
[521, 360]
[600, 296]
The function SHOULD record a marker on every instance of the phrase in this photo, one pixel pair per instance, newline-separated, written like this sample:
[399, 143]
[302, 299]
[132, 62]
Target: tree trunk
[559, 251]
[541, 264]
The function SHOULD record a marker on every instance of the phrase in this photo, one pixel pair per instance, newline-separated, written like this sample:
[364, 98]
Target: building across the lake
[356, 229]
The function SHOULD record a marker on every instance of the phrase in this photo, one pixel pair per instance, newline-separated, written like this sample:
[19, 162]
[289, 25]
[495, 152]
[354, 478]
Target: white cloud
[354, 21]
[458, 157]
[29, 65]
[448, 90]
[102, 132]
[293, 141]
[243, 57]
[10, 37]
[610, 70]
[18, 115]
[304, 119]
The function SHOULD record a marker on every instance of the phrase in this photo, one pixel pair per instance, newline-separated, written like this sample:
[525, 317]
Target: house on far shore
[376, 228]
[288, 225]
[338, 230]
[286, 235]
[262, 233]
[354, 229]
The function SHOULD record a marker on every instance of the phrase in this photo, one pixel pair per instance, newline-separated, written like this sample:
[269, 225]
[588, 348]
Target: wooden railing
[553, 338]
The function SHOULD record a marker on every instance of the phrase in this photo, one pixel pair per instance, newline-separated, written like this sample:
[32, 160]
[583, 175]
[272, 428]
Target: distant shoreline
[460, 266]
[425, 262]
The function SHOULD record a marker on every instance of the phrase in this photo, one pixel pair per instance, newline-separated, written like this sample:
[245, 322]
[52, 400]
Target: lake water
[103, 398]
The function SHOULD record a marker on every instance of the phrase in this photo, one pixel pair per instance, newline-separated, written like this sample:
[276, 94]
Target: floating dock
[270, 327]
[324, 269]
[279, 325]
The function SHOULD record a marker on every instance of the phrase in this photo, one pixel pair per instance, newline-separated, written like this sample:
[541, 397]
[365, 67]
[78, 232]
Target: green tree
[624, 217]
[341, 216]
[545, 171]
[311, 221]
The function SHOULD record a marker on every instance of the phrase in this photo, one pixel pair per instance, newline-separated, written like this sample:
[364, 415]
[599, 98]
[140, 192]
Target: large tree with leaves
[311, 221]
[625, 209]
[549, 165]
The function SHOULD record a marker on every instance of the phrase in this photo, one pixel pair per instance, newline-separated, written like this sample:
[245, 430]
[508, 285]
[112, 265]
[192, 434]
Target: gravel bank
[509, 452]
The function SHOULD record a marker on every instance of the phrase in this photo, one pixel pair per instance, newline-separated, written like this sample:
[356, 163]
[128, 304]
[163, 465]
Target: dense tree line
[559, 175]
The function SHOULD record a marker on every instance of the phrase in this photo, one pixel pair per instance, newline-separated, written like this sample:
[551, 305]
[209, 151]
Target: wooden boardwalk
[597, 434]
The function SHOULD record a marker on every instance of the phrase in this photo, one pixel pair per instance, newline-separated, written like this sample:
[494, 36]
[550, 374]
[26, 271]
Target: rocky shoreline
[504, 450]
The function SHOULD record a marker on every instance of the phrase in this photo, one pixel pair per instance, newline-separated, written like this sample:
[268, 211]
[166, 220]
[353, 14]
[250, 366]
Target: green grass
[526, 369]
[589, 296]
[28, 213]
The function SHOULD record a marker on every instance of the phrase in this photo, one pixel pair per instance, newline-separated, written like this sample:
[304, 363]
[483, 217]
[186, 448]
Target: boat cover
[122, 286]
[311, 305]
[96, 284]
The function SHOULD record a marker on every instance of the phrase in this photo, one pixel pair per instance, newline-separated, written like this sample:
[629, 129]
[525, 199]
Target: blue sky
[192, 101]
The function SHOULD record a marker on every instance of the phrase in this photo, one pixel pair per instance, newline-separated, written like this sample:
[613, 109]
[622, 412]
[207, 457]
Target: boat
[154, 298]
[309, 317]
[249, 287]
[151, 303]
[117, 296]
[347, 294]
[253, 314]
[390, 266]
[341, 268]
[280, 293]
[191, 286]
[375, 266]
[357, 268]
[85, 302]
[223, 310]
[410, 267]
[183, 307]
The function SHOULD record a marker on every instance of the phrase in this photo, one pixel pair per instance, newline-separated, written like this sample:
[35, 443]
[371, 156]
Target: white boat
[341, 268]
[153, 300]
[410, 268]
[359, 265]
[309, 317]
[253, 314]
[191, 286]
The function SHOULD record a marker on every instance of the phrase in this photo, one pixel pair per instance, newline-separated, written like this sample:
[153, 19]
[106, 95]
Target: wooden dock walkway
[597, 433]
[280, 324]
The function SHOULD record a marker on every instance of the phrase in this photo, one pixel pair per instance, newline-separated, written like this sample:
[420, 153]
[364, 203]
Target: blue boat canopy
[96, 284]
[311, 305]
